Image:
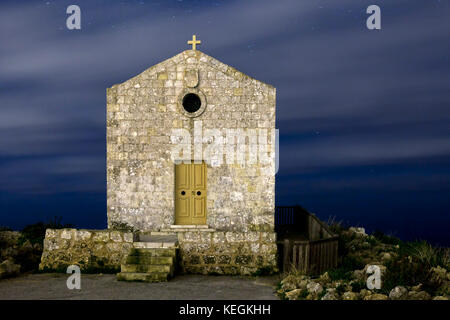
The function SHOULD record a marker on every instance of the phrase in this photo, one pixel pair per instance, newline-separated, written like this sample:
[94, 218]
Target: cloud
[346, 96]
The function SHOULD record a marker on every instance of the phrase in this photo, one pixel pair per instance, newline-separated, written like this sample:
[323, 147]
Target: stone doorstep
[186, 228]
[145, 237]
[161, 233]
[189, 226]
[152, 245]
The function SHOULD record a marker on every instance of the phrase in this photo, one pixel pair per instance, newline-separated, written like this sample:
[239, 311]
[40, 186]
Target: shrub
[345, 270]
[407, 271]
[340, 289]
[425, 254]
[35, 233]
[383, 238]
[335, 226]
[357, 286]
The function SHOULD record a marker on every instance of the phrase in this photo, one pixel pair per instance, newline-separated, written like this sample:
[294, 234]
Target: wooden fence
[310, 257]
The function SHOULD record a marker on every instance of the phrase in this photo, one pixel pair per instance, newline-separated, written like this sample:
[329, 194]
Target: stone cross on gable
[194, 42]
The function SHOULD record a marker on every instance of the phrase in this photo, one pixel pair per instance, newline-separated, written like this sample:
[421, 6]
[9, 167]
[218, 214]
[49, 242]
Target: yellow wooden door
[190, 193]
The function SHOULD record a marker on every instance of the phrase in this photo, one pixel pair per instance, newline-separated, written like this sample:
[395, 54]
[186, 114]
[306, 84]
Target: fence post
[286, 259]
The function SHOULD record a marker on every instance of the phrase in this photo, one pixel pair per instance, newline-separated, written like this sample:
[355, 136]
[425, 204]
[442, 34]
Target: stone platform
[200, 250]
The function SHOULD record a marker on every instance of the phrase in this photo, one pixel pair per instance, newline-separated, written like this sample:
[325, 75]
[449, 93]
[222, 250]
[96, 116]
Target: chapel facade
[191, 151]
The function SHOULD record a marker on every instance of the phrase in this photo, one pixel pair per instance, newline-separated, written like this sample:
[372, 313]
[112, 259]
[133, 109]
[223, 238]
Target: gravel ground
[96, 286]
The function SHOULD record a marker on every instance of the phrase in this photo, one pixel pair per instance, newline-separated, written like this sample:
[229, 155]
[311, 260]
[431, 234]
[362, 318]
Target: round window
[191, 102]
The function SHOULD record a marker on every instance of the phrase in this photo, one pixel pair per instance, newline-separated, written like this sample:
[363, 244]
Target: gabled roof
[202, 58]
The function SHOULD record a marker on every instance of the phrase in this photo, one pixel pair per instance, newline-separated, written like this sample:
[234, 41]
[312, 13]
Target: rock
[9, 269]
[398, 293]
[440, 272]
[385, 256]
[365, 245]
[330, 295]
[364, 293]
[293, 294]
[440, 298]
[444, 287]
[376, 296]
[314, 288]
[324, 278]
[358, 231]
[416, 288]
[438, 275]
[292, 282]
[9, 252]
[358, 275]
[418, 295]
[302, 284]
[350, 296]
[27, 246]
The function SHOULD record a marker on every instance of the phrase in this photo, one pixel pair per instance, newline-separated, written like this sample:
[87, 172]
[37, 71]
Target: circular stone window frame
[202, 97]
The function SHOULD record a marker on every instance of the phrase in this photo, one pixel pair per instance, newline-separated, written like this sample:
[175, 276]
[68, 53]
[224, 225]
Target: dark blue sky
[363, 115]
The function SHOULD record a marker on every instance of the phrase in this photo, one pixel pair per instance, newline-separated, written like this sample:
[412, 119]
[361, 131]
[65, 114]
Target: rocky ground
[409, 271]
[17, 254]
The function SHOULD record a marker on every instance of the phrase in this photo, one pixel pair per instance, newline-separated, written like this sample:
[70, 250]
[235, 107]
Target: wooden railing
[310, 257]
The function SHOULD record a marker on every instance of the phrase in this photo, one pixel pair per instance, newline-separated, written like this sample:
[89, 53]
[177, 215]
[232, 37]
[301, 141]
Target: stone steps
[144, 259]
[150, 261]
[153, 252]
[147, 268]
[143, 277]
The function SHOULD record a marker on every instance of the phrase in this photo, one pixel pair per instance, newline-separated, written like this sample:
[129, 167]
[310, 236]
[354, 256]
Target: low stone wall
[234, 253]
[91, 250]
[200, 252]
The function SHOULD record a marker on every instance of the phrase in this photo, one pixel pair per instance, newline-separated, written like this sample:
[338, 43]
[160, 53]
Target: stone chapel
[190, 155]
[146, 189]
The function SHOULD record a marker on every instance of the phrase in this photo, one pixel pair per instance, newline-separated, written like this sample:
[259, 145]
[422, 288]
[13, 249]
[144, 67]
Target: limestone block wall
[141, 113]
[200, 252]
[91, 250]
[232, 253]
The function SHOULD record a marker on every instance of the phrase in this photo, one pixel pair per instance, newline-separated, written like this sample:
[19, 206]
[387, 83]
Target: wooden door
[190, 193]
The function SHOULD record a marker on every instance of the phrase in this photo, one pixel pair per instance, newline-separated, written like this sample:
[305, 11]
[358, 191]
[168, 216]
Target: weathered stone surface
[398, 293]
[9, 269]
[227, 253]
[294, 294]
[440, 298]
[376, 296]
[91, 250]
[330, 295]
[141, 113]
[314, 288]
[358, 231]
[350, 296]
[238, 237]
[418, 295]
